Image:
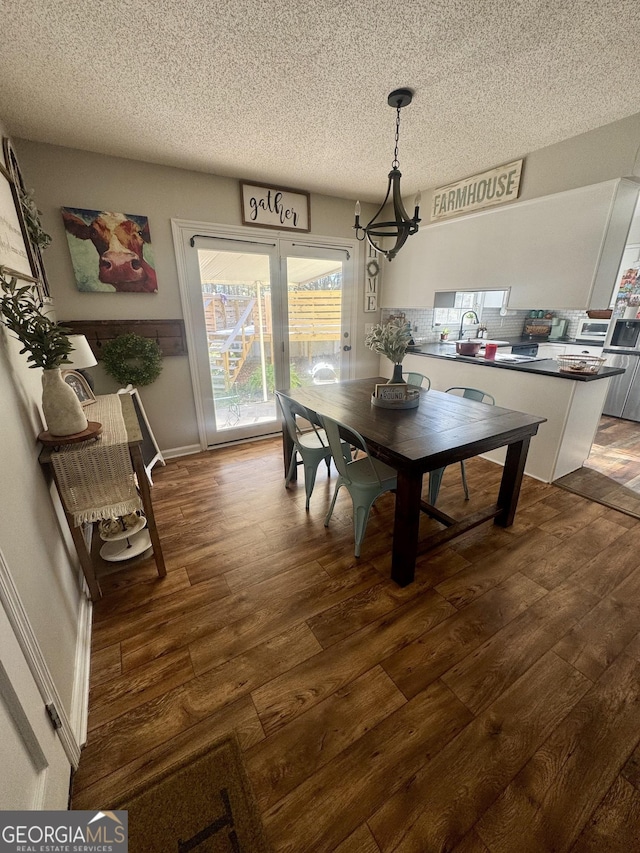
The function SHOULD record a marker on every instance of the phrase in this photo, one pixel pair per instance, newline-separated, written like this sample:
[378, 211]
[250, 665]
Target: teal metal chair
[311, 444]
[435, 477]
[365, 478]
[418, 379]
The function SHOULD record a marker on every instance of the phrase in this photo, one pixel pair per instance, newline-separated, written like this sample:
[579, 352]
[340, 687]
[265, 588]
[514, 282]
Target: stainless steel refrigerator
[623, 399]
[622, 348]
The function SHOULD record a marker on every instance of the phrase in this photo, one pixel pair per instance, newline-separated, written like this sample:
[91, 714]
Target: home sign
[281, 208]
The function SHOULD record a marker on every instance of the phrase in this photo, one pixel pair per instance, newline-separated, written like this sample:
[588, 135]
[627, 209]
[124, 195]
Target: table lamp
[80, 357]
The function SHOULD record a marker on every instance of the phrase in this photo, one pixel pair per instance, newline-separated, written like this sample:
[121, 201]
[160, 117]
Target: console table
[134, 445]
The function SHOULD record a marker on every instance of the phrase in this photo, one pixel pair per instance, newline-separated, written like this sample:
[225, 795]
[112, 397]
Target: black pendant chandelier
[402, 226]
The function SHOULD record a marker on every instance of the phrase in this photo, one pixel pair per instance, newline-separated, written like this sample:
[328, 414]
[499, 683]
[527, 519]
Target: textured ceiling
[295, 92]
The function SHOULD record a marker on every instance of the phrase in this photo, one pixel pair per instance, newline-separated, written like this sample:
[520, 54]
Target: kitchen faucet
[466, 314]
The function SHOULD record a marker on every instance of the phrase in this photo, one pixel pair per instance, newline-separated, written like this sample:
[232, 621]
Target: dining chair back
[418, 379]
[435, 477]
[364, 478]
[311, 444]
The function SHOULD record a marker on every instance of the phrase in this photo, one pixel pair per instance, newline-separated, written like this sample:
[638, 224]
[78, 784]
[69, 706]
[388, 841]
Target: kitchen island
[571, 403]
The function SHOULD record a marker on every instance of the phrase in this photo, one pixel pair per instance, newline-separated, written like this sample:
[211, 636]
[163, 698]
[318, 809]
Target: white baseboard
[181, 451]
[79, 711]
[195, 448]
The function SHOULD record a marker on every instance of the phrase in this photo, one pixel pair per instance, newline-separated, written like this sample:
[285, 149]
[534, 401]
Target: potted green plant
[444, 334]
[391, 340]
[46, 345]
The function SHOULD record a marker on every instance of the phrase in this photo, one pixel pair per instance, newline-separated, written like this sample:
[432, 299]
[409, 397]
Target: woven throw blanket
[96, 478]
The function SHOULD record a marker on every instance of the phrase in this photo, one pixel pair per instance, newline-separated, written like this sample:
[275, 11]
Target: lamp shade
[81, 356]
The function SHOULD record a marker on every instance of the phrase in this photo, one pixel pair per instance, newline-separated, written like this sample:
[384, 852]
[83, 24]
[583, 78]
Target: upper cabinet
[560, 251]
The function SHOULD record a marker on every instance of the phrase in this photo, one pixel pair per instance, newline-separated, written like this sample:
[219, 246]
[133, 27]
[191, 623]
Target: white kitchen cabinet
[546, 350]
[560, 251]
[585, 349]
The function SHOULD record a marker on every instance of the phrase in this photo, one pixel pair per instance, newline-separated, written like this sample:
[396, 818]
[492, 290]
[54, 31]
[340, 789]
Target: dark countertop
[522, 339]
[546, 367]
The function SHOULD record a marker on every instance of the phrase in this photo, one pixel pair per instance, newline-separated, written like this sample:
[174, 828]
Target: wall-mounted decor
[479, 191]
[30, 230]
[281, 208]
[371, 279]
[168, 334]
[110, 252]
[13, 252]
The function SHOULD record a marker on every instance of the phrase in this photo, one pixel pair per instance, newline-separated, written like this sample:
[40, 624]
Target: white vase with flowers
[46, 345]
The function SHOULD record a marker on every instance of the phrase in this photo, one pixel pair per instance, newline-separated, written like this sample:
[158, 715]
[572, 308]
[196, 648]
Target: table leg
[406, 526]
[147, 505]
[86, 562]
[511, 482]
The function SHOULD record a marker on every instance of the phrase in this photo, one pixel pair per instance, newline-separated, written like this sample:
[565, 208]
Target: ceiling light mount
[402, 225]
[400, 98]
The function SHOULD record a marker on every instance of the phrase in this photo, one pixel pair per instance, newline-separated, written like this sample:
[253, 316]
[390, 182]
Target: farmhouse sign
[488, 188]
[275, 207]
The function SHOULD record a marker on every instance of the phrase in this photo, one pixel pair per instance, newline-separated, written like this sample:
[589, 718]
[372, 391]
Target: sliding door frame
[184, 230]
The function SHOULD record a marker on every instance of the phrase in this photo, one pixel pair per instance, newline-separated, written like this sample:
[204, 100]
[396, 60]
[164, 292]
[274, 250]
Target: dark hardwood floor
[493, 705]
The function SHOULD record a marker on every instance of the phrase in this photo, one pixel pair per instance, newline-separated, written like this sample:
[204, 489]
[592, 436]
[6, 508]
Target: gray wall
[34, 537]
[67, 177]
[611, 151]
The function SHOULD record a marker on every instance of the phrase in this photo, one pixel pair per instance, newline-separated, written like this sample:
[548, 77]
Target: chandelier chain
[396, 162]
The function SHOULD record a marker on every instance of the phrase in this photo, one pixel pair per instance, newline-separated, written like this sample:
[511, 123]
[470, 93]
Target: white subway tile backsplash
[421, 320]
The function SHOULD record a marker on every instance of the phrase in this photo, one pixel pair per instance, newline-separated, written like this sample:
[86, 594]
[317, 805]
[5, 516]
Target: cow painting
[111, 252]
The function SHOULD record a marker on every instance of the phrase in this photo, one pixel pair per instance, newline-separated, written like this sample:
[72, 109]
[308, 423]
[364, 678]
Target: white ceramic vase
[62, 410]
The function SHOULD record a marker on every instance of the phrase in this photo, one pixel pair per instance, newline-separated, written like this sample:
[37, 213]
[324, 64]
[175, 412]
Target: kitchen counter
[571, 403]
[546, 367]
[525, 340]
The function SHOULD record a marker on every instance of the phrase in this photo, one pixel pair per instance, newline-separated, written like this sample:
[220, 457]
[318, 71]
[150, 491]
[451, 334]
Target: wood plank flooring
[611, 474]
[493, 706]
[616, 451]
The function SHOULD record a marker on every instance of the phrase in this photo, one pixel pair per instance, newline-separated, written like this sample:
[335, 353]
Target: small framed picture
[80, 386]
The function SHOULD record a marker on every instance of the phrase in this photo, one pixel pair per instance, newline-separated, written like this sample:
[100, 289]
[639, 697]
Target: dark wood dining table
[443, 429]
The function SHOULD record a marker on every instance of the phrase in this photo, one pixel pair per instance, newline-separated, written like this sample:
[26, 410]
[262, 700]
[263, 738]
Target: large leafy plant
[46, 343]
[390, 339]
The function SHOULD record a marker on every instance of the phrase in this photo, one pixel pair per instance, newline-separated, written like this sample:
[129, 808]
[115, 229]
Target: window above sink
[451, 305]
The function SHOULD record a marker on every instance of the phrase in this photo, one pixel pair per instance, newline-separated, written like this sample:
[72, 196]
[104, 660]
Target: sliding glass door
[264, 316]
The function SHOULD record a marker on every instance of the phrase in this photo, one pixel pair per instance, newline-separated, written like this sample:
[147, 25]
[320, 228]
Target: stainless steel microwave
[593, 331]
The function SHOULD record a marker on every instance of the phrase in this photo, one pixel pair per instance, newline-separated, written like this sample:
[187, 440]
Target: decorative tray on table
[580, 363]
[397, 395]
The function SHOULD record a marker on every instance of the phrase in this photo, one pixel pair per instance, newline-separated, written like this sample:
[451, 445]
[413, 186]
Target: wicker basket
[538, 330]
[580, 363]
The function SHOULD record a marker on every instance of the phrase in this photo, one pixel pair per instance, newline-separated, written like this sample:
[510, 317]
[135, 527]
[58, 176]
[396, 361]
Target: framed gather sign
[281, 208]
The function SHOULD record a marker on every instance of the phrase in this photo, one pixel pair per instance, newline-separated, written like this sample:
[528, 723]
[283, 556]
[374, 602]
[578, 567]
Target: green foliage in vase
[46, 343]
[390, 339]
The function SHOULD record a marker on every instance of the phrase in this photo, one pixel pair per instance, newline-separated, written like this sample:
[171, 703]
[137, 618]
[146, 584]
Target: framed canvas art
[110, 252]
